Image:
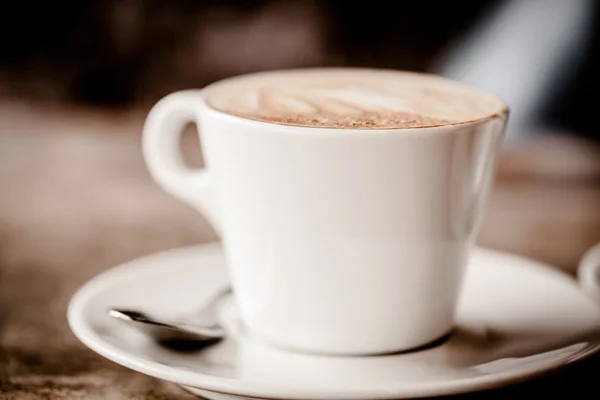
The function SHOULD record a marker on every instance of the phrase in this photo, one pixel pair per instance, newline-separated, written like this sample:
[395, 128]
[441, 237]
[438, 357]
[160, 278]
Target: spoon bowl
[178, 333]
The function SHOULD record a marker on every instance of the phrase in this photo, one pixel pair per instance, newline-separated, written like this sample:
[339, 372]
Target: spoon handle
[208, 313]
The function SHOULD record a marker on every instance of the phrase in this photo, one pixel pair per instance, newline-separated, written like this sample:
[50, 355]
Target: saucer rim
[231, 386]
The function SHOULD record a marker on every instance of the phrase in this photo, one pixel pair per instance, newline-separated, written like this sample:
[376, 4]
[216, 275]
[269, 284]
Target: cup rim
[501, 113]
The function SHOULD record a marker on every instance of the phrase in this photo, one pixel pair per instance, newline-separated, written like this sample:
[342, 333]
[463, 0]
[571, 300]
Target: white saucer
[517, 319]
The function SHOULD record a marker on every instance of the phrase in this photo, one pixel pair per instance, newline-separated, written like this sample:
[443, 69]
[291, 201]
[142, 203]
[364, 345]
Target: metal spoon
[179, 334]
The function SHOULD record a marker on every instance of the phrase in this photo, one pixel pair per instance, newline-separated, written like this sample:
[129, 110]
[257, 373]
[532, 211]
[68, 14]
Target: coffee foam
[351, 99]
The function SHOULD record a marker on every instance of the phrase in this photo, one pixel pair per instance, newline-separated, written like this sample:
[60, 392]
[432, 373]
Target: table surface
[76, 200]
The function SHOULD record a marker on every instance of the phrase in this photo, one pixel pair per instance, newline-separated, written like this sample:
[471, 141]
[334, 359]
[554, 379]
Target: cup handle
[589, 272]
[161, 149]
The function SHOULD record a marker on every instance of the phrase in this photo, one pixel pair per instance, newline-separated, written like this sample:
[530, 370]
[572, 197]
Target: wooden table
[75, 200]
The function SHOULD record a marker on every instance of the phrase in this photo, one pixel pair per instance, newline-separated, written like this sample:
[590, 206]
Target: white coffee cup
[339, 241]
[589, 272]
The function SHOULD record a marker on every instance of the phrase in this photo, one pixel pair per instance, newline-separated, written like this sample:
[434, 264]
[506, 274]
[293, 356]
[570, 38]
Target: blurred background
[77, 79]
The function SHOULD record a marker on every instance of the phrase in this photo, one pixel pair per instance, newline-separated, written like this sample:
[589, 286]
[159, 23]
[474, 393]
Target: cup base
[279, 345]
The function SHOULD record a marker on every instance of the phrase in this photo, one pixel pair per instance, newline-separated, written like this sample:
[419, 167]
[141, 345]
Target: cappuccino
[351, 98]
[374, 186]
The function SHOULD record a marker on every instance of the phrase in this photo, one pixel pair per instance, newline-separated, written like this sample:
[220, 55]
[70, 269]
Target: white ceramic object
[516, 319]
[589, 272]
[334, 234]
